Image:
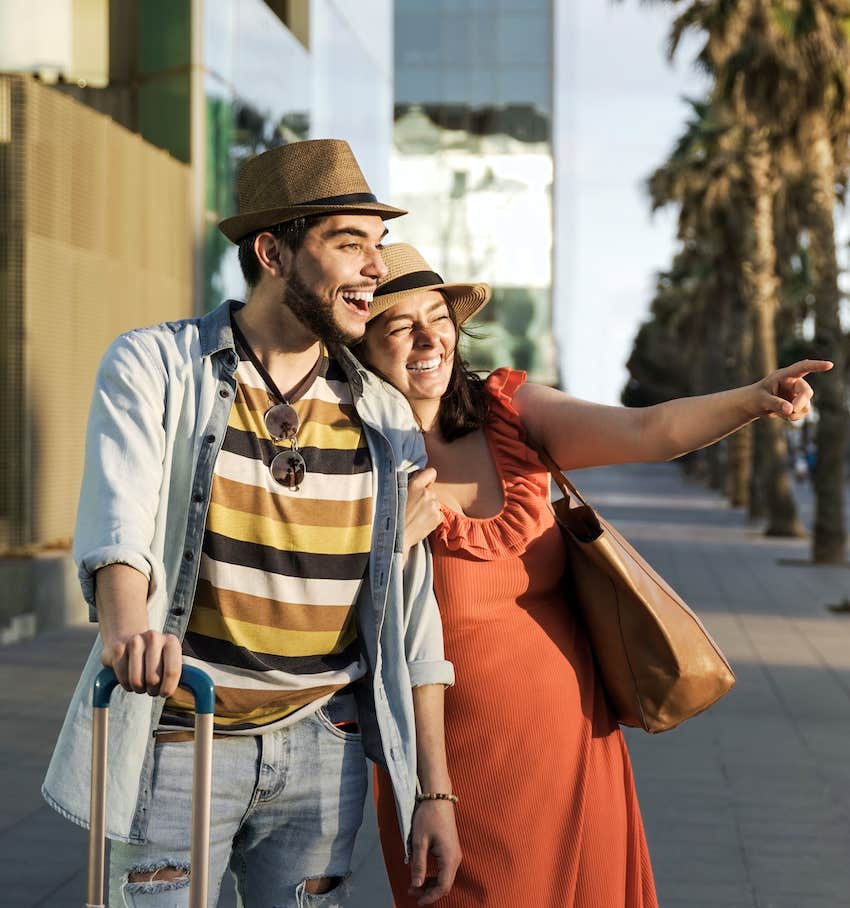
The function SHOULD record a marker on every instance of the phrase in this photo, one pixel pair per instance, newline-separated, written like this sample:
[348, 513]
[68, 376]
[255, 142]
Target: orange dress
[548, 816]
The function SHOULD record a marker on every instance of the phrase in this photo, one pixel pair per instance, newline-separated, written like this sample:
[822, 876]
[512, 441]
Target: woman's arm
[434, 831]
[581, 434]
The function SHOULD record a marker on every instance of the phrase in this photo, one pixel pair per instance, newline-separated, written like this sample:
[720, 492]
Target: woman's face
[412, 345]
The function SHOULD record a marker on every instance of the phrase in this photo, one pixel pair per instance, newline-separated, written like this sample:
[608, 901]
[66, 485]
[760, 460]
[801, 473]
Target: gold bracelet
[435, 796]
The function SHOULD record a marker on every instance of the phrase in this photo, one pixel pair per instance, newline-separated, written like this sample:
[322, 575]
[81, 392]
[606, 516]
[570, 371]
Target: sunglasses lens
[281, 421]
[288, 469]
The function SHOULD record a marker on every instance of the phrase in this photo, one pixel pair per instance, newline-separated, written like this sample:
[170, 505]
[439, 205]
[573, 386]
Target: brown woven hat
[320, 176]
[409, 273]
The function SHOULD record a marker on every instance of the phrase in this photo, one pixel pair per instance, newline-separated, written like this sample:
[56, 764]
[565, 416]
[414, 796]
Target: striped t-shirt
[273, 621]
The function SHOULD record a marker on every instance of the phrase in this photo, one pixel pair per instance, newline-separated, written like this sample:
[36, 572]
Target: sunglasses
[287, 468]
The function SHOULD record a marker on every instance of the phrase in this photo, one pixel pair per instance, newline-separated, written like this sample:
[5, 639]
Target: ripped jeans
[286, 807]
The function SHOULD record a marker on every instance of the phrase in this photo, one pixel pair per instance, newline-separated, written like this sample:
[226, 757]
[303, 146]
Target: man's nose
[375, 266]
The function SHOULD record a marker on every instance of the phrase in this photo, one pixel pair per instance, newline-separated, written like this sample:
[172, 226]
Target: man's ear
[274, 256]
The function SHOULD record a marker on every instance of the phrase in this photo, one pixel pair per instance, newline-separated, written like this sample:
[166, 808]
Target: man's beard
[317, 314]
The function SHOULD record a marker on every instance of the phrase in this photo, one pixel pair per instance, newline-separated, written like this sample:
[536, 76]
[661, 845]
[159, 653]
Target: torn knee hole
[164, 874]
[321, 885]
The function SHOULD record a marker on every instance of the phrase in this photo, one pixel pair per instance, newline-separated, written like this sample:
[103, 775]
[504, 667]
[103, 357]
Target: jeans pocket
[343, 731]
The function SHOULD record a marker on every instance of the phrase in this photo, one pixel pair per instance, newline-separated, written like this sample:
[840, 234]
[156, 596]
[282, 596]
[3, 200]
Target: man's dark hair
[291, 232]
[466, 404]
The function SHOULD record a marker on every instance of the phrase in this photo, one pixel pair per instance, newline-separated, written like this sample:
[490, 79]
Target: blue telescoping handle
[202, 687]
[197, 681]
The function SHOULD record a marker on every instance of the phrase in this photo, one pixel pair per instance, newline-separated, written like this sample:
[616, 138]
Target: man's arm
[144, 660]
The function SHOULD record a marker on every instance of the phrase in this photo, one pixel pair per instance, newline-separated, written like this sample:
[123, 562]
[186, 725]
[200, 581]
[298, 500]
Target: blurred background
[653, 190]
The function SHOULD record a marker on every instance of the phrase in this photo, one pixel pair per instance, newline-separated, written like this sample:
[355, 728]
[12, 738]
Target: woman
[547, 811]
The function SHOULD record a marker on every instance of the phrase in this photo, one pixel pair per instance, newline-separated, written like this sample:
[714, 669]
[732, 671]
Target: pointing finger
[804, 366]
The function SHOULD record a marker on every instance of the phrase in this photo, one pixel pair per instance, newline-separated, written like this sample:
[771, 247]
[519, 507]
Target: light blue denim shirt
[158, 417]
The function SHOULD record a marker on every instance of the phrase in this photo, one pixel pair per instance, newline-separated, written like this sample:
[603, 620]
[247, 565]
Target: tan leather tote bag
[658, 664]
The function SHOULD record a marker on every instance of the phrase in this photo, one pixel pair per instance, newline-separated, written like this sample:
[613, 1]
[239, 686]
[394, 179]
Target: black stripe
[351, 198]
[351, 566]
[332, 461]
[223, 652]
[410, 281]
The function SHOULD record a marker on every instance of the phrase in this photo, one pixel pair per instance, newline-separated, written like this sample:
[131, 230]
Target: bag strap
[568, 490]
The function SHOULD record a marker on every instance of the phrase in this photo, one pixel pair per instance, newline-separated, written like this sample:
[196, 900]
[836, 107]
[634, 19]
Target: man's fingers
[136, 668]
[154, 646]
[172, 665]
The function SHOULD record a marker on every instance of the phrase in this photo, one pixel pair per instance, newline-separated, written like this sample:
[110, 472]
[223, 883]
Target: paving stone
[746, 806]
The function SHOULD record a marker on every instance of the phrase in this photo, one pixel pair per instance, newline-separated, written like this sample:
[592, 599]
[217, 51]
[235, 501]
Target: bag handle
[568, 490]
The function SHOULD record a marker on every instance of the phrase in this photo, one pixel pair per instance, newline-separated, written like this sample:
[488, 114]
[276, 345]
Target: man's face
[334, 275]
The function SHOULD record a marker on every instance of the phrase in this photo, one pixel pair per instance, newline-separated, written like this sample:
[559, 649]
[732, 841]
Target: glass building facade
[215, 81]
[472, 161]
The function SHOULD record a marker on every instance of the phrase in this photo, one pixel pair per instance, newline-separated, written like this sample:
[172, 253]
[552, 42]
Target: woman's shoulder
[503, 383]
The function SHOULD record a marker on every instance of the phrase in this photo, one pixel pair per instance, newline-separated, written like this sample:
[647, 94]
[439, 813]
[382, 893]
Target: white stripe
[318, 486]
[298, 590]
[243, 679]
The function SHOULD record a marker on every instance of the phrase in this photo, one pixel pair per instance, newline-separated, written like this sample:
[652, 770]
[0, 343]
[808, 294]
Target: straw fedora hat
[408, 272]
[319, 176]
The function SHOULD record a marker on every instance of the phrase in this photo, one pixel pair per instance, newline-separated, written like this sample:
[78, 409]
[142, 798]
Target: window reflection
[472, 162]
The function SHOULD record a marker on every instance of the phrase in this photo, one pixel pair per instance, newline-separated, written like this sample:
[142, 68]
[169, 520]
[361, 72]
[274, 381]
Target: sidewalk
[748, 805]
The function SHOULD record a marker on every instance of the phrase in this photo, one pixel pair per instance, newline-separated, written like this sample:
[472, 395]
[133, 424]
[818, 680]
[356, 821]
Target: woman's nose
[425, 337]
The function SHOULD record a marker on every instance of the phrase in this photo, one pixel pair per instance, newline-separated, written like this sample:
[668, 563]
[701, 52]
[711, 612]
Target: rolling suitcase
[201, 686]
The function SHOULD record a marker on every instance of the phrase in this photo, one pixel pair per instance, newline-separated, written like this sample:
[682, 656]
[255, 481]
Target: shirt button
[223, 392]
[210, 439]
[189, 555]
[197, 498]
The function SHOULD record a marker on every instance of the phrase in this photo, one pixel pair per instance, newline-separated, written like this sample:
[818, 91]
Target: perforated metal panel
[104, 245]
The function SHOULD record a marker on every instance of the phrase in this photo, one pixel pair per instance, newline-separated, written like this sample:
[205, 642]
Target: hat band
[352, 198]
[411, 281]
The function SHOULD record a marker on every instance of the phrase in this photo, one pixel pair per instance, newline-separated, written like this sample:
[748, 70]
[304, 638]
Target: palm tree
[783, 66]
[719, 171]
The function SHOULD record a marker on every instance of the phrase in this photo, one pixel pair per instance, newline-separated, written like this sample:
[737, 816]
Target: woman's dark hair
[291, 232]
[466, 404]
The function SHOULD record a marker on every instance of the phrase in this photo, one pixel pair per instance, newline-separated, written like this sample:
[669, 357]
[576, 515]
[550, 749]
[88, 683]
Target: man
[242, 510]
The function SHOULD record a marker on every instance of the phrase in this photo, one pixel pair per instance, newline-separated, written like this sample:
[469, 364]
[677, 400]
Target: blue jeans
[286, 807]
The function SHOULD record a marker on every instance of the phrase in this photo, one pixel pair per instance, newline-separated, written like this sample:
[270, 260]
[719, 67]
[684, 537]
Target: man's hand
[435, 833]
[148, 662]
[422, 514]
[785, 393]
[144, 661]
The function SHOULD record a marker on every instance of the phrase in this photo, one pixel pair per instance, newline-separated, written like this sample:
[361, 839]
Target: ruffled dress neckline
[525, 483]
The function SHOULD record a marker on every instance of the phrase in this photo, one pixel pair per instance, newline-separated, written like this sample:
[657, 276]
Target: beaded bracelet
[435, 796]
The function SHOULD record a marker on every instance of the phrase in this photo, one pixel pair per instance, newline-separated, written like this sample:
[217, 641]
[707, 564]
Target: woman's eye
[404, 330]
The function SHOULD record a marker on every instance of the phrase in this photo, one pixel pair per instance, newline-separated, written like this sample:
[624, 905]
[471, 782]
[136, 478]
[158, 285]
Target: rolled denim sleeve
[125, 443]
[423, 632]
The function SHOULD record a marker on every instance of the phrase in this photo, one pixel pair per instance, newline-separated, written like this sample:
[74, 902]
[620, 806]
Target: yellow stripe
[260, 639]
[335, 437]
[319, 540]
[340, 434]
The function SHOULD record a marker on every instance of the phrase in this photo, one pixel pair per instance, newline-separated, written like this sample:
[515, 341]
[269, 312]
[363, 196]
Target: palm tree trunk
[829, 532]
[739, 447]
[761, 288]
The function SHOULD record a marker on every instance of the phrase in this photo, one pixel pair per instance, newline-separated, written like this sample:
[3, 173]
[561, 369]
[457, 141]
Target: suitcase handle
[203, 690]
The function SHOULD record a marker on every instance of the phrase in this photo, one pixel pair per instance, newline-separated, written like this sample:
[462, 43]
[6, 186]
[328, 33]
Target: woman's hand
[422, 514]
[434, 833]
[785, 392]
